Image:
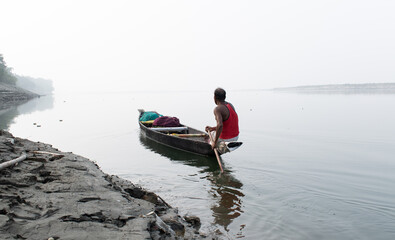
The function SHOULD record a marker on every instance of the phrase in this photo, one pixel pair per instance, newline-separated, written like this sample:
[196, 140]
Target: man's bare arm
[218, 130]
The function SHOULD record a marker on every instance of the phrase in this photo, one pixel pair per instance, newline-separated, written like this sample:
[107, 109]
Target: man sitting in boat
[227, 128]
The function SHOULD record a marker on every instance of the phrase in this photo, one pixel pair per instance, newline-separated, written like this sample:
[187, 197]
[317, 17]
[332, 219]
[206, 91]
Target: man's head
[219, 95]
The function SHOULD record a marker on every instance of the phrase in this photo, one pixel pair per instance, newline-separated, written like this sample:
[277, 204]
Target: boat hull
[196, 145]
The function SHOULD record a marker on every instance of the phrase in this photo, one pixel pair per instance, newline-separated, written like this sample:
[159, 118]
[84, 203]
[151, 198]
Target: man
[227, 128]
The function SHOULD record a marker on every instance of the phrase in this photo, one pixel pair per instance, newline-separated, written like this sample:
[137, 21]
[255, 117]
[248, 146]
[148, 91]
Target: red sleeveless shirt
[230, 127]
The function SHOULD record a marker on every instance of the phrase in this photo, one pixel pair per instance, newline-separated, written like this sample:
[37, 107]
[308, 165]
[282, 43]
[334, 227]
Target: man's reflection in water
[226, 189]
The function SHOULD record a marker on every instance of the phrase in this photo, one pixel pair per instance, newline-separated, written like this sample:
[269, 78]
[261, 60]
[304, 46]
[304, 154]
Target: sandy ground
[66, 196]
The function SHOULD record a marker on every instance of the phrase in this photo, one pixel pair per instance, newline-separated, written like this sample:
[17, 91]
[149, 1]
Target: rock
[71, 198]
[194, 221]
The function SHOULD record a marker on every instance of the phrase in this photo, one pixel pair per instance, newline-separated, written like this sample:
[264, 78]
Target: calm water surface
[313, 166]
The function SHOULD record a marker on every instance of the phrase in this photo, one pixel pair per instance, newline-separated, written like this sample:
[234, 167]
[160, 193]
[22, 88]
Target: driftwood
[12, 162]
[43, 152]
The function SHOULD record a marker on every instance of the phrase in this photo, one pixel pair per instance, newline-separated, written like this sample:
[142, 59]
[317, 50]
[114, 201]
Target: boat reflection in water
[225, 188]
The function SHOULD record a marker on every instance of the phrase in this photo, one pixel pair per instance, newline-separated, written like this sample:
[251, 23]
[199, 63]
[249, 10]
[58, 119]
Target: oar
[216, 152]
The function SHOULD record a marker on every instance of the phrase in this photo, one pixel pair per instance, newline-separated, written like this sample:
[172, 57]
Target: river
[312, 166]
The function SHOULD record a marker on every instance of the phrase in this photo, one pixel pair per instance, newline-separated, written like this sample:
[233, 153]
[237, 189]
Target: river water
[312, 166]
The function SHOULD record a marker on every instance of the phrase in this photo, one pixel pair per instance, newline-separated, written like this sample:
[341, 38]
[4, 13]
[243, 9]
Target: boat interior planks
[183, 137]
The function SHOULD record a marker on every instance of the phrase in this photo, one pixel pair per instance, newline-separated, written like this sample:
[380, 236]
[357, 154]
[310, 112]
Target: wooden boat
[184, 138]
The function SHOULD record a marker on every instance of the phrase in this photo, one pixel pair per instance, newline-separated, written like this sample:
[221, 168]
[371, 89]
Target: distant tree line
[6, 75]
[36, 85]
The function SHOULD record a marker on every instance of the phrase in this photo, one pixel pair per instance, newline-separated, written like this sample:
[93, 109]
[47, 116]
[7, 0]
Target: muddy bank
[60, 195]
[12, 95]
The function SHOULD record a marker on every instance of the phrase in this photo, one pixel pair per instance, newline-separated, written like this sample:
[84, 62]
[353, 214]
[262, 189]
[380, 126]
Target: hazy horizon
[177, 45]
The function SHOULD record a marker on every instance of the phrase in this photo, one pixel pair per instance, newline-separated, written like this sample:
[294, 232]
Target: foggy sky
[185, 45]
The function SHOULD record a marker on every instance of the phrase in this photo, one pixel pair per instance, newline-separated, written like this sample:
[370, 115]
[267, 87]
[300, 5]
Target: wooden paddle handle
[216, 152]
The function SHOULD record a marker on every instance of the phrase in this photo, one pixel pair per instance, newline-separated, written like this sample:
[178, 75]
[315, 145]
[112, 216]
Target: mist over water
[312, 166]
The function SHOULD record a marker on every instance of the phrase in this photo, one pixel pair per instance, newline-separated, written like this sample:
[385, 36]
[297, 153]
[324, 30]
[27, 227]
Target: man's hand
[209, 129]
[213, 145]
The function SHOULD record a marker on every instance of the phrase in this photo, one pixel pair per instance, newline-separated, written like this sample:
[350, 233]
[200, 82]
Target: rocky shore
[11, 95]
[60, 195]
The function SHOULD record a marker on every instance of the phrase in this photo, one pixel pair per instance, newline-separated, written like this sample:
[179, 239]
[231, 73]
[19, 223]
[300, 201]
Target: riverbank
[60, 195]
[11, 95]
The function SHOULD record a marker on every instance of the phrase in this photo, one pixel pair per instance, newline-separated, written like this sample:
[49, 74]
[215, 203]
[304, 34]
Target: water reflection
[225, 188]
[37, 104]
[6, 116]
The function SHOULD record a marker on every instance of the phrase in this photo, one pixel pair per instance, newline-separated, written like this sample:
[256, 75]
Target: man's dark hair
[220, 94]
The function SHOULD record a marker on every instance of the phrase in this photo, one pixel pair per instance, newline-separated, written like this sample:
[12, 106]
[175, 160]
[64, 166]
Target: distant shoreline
[365, 87]
[12, 95]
